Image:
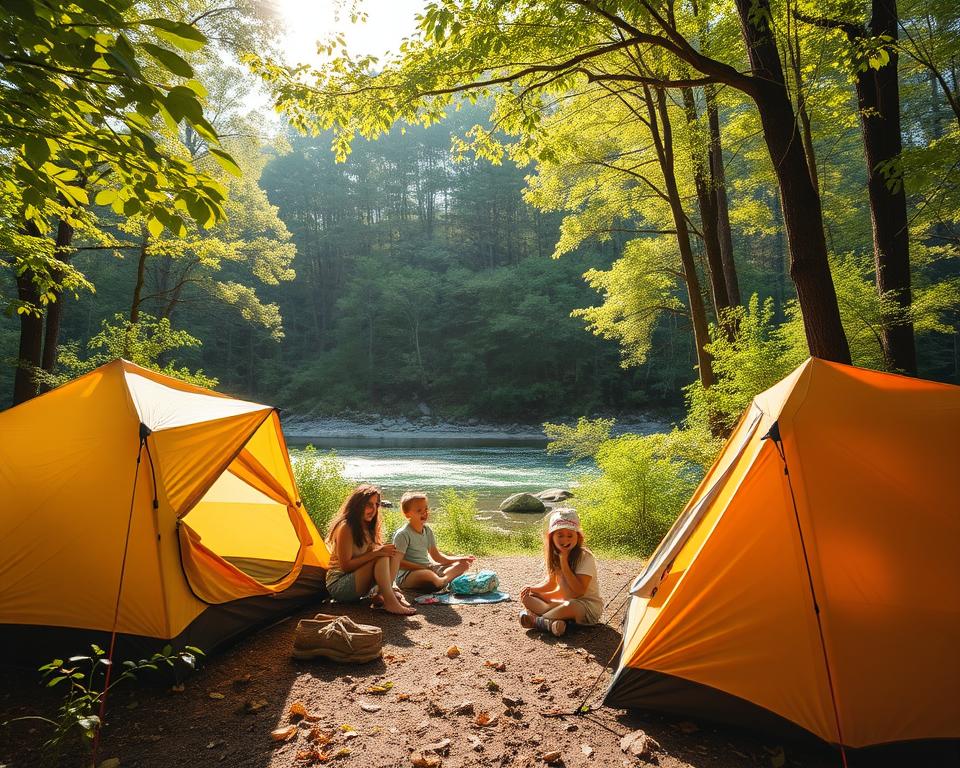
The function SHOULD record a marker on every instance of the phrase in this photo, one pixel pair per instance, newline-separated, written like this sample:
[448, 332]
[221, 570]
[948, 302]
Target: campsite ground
[225, 713]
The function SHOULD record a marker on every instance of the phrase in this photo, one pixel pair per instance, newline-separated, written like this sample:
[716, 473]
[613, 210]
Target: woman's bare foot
[399, 610]
[402, 598]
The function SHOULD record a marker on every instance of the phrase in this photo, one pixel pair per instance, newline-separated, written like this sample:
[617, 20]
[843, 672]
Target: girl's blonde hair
[351, 514]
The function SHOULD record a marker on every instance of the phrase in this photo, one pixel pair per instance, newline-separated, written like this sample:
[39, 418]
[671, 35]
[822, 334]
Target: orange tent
[189, 493]
[814, 577]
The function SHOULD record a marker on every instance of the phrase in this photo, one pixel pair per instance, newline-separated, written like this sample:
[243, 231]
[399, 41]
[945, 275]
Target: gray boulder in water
[554, 495]
[522, 502]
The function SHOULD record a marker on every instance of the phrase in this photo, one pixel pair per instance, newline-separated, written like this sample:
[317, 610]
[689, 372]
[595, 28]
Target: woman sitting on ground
[358, 557]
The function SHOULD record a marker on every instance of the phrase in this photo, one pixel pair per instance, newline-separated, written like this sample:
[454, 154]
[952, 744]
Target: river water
[492, 472]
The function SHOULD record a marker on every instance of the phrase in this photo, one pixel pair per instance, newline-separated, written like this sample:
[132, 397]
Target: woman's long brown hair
[552, 556]
[351, 514]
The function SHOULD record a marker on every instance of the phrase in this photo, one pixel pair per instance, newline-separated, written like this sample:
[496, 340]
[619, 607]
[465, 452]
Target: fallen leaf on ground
[403, 697]
[380, 688]
[552, 757]
[320, 737]
[421, 760]
[347, 727]
[492, 686]
[178, 688]
[453, 652]
[366, 706]
[215, 695]
[284, 734]
[484, 720]
[312, 754]
[497, 665]
[638, 744]
[297, 710]
[538, 680]
[254, 705]
[342, 752]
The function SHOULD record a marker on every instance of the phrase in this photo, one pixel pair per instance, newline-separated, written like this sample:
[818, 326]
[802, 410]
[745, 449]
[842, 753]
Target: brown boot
[339, 639]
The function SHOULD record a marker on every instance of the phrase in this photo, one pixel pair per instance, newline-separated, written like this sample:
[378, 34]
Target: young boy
[422, 566]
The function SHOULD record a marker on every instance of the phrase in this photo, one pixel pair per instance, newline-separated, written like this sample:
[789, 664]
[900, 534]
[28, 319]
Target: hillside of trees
[632, 218]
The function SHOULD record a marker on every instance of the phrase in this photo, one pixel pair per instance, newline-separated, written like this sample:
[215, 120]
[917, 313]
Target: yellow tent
[187, 492]
[814, 577]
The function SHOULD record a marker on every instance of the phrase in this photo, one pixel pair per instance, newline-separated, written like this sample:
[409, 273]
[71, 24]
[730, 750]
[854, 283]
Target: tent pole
[144, 432]
[774, 436]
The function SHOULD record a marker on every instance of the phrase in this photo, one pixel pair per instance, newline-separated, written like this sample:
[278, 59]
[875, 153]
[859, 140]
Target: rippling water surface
[491, 472]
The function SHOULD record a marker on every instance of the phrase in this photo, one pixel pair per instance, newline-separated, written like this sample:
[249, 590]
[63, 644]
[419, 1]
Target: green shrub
[458, 529]
[644, 483]
[321, 483]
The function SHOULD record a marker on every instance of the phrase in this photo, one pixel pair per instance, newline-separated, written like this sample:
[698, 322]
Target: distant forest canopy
[419, 269]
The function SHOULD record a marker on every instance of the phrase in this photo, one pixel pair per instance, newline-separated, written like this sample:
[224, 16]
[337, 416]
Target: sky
[307, 21]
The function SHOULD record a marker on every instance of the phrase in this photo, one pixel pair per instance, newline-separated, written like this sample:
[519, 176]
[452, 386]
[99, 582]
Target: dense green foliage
[321, 484]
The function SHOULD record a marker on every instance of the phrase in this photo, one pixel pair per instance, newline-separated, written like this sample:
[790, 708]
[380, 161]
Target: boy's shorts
[403, 572]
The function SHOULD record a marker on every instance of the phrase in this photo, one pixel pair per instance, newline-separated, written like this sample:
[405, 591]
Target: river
[492, 472]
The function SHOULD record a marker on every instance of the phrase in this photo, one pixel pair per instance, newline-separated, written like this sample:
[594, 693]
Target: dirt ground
[407, 705]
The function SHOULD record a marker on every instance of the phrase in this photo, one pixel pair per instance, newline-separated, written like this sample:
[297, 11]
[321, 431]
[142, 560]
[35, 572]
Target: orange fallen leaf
[484, 719]
[496, 664]
[552, 757]
[297, 710]
[453, 652]
[403, 697]
[216, 695]
[425, 760]
[320, 737]
[284, 734]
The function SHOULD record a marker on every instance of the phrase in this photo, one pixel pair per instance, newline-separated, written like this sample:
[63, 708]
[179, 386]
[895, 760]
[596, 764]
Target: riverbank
[427, 429]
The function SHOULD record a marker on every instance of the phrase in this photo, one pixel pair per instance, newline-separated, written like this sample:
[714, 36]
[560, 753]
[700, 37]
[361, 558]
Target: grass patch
[458, 529]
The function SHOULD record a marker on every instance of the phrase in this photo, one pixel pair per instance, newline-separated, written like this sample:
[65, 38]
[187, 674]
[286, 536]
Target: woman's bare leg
[384, 572]
[363, 578]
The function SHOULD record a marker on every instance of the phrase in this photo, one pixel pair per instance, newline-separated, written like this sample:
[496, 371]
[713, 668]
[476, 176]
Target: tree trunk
[878, 96]
[663, 142]
[802, 212]
[31, 339]
[708, 210]
[719, 190]
[51, 337]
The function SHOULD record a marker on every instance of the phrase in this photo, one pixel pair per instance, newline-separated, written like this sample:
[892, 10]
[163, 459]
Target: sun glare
[312, 22]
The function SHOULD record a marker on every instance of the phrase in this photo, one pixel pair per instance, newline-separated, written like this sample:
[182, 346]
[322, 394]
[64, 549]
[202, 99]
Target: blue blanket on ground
[448, 598]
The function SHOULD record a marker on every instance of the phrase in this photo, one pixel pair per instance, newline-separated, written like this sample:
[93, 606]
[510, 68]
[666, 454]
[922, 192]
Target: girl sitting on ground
[571, 590]
[358, 557]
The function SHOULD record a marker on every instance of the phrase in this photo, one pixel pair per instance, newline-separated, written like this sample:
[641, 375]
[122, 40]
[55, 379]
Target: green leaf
[183, 103]
[184, 36]
[226, 162]
[36, 150]
[168, 60]
[154, 227]
[105, 196]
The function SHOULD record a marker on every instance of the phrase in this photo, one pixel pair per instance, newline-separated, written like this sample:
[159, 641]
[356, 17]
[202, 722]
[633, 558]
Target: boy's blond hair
[409, 497]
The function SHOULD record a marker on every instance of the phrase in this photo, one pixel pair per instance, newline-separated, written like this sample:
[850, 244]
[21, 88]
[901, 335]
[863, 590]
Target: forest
[629, 215]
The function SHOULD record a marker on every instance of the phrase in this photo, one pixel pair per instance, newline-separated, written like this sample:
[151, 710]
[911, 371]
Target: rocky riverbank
[355, 426]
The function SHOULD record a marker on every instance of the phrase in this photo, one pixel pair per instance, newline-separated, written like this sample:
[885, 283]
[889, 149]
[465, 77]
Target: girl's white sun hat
[564, 518]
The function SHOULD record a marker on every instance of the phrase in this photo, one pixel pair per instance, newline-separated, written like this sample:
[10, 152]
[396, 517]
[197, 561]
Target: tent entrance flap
[240, 541]
[242, 524]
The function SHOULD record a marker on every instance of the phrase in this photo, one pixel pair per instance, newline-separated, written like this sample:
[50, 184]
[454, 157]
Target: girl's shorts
[344, 589]
[592, 610]
[403, 572]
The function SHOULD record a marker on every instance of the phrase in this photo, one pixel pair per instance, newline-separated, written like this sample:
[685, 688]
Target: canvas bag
[475, 583]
